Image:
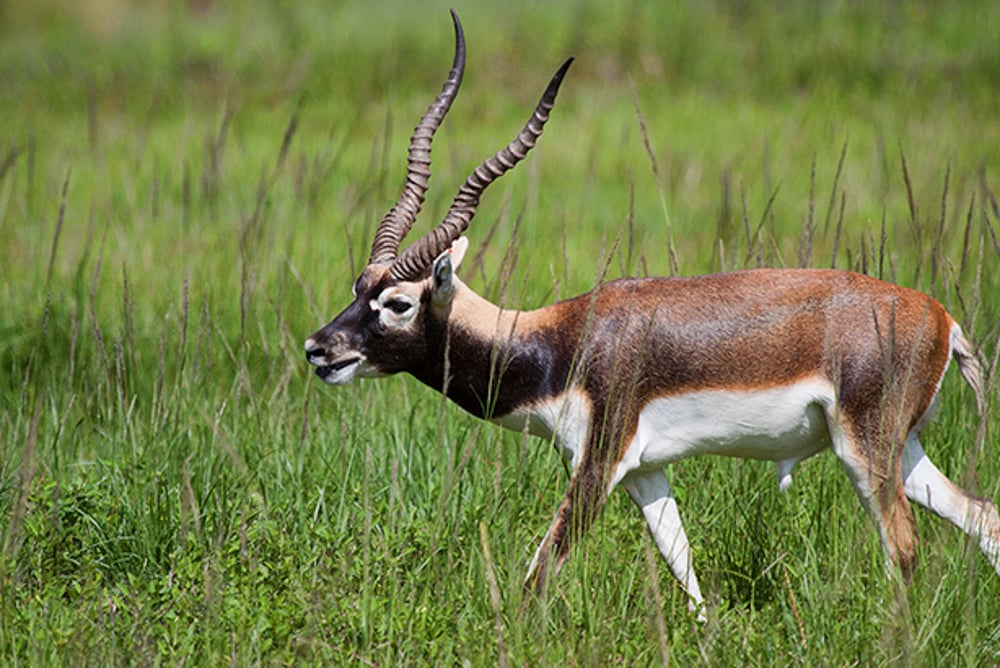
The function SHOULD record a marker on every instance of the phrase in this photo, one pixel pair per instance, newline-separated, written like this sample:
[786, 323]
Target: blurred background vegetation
[738, 98]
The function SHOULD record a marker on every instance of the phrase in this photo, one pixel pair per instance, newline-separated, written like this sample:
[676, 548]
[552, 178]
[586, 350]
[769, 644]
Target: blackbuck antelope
[774, 365]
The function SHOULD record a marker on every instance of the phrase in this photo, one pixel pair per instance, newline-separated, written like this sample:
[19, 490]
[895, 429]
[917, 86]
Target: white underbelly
[782, 423]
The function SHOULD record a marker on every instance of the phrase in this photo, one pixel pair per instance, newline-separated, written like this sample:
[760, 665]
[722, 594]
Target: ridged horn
[415, 261]
[401, 216]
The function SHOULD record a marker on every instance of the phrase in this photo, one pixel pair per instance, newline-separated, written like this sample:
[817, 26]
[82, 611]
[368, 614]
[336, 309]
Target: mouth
[338, 372]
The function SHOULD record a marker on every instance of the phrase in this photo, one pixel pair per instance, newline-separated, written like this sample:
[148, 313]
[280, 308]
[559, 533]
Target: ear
[442, 278]
[458, 248]
[443, 271]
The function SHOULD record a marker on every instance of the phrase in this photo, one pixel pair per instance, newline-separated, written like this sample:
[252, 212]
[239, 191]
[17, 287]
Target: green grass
[185, 195]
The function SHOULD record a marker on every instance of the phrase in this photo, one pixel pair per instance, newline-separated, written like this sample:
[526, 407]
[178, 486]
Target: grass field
[188, 190]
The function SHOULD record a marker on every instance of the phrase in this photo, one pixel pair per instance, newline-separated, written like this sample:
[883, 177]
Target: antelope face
[386, 328]
[376, 335]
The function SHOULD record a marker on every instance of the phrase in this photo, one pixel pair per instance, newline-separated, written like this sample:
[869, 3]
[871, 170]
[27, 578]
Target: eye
[398, 305]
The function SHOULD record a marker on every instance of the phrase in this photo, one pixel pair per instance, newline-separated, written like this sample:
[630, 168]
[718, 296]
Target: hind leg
[876, 479]
[927, 486]
[888, 505]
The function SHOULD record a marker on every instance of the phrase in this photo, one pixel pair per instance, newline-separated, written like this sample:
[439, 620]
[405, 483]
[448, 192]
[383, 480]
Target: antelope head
[402, 299]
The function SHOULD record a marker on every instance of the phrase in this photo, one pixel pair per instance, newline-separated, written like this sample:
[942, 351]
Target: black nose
[313, 351]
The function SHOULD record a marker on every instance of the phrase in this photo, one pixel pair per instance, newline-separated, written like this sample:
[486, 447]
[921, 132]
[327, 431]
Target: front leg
[584, 498]
[594, 441]
[651, 491]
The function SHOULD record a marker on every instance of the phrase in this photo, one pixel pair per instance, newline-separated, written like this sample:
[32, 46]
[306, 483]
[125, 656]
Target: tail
[969, 367]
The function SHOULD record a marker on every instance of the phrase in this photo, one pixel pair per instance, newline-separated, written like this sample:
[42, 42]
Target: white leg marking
[784, 470]
[926, 485]
[538, 551]
[652, 493]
